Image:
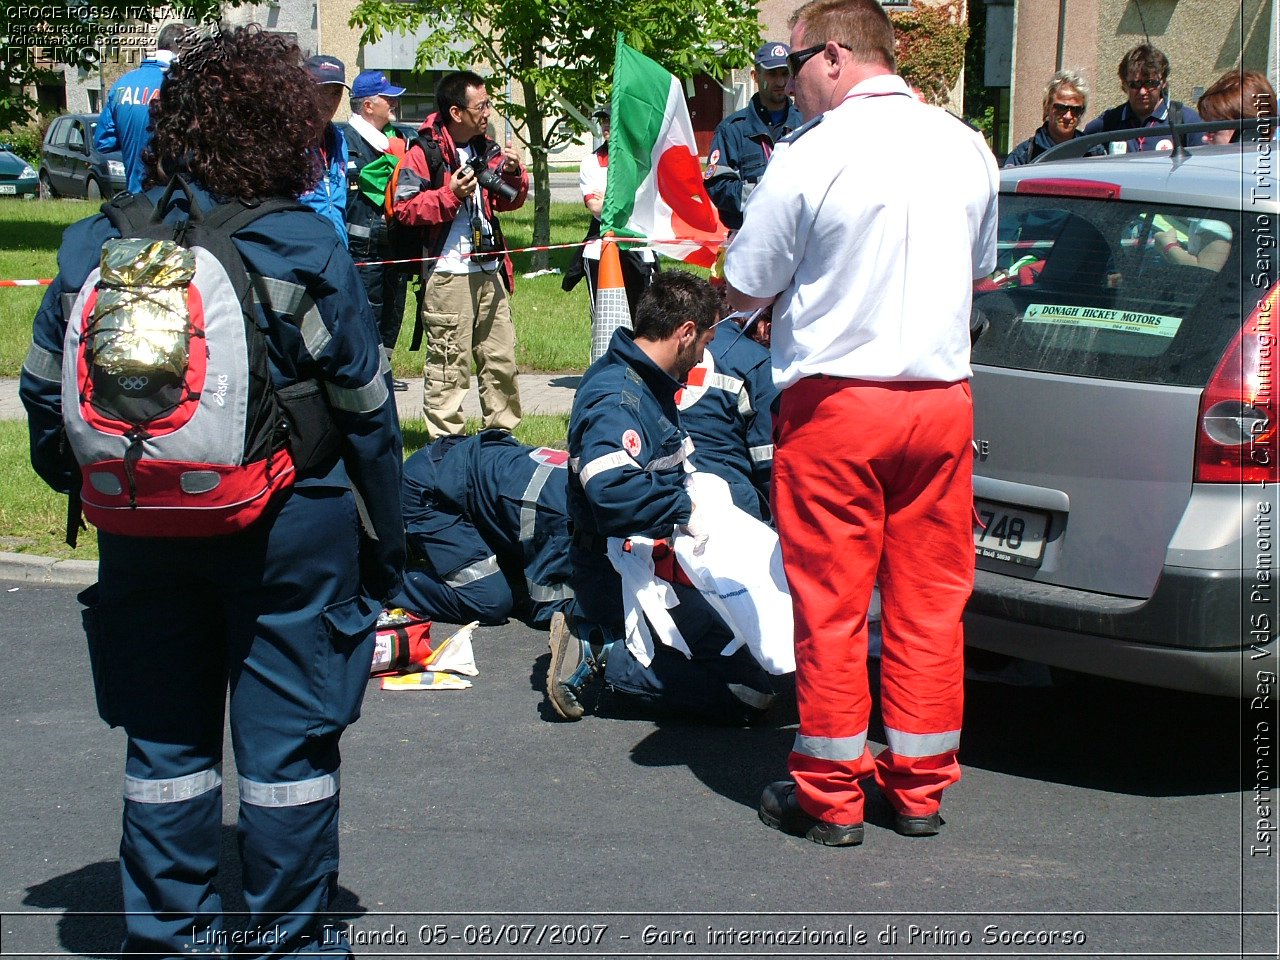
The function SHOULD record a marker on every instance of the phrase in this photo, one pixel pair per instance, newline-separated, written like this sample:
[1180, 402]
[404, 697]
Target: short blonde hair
[1064, 78]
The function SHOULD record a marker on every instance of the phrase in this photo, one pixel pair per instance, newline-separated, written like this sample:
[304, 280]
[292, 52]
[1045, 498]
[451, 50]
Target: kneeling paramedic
[628, 460]
[487, 521]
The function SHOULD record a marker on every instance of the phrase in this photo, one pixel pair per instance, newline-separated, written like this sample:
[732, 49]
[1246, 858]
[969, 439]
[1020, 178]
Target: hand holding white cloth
[645, 599]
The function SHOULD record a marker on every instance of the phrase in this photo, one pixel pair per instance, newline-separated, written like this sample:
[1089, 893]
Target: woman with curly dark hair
[273, 622]
[237, 129]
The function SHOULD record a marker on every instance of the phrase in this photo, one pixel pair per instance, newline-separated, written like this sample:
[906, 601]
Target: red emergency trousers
[876, 479]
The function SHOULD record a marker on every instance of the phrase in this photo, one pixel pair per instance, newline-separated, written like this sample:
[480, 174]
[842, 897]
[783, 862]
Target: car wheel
[92, 189]
[45, 188]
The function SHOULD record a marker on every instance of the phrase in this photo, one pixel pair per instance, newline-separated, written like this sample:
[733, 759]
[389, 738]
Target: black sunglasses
[1075, 110]
[798, 58]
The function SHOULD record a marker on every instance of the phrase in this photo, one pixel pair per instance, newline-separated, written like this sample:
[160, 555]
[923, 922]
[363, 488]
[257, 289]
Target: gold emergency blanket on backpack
[140, 321]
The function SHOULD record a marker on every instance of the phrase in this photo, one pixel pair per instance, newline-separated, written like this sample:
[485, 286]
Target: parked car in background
[17, 178]
[70, 165]
[1126, 457]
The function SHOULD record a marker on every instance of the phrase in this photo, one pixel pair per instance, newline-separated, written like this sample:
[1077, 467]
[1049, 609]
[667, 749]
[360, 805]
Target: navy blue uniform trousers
[275, 618]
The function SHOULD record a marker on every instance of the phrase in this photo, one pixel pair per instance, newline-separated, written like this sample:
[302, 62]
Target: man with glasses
[872, 473]
[1144, 76]
[374, 148]
[744, 140]
[465, 311]
[1064, 102]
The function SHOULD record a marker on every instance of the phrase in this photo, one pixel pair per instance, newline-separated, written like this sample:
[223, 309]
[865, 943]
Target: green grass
[553, 330]
[33, 517]
[30, 233]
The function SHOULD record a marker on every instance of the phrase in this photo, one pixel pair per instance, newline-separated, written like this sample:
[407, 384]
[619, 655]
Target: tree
[37, 38]
[931, 47]
[559, 53]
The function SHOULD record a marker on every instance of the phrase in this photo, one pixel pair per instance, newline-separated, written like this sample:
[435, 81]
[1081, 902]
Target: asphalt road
[1108, 813]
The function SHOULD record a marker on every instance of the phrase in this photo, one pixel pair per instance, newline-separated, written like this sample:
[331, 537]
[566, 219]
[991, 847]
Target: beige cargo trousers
[467, 316]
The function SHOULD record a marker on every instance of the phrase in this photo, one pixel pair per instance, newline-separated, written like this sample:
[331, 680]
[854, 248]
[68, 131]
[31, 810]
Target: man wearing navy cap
[375, 146]
[744, 140]
[329, 197]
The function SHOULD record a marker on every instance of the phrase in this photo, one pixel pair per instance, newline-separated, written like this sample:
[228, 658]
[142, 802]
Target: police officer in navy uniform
[744, 141]
[727, 408]
[487, 520]
[628, 459]
[277, 620]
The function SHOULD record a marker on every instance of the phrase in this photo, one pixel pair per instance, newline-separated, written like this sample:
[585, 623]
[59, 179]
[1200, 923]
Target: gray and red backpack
[168, 401]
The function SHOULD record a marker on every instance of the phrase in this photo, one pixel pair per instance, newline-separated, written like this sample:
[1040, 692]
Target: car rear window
[1093, 288]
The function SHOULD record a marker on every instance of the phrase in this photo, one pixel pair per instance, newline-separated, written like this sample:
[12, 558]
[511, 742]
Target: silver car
[1125, 390]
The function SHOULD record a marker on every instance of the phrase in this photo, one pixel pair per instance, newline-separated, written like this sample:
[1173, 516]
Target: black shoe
[399, 385]
[918, 826]
[780, 809]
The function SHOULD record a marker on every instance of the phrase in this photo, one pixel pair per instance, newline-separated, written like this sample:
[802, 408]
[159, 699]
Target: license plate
[1007, 533]
[8, 188]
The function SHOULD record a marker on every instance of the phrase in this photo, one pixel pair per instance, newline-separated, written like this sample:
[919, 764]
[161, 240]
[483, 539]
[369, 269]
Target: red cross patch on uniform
[695, 388]
[550, 456]
[631, 443]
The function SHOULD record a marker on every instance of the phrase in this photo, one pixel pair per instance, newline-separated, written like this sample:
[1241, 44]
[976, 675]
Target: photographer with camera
[450, 185]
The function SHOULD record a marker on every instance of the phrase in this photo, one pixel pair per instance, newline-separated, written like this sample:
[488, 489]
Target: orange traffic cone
[611, 308]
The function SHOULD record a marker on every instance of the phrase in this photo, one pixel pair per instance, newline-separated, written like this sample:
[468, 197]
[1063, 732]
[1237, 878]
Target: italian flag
[655, 181]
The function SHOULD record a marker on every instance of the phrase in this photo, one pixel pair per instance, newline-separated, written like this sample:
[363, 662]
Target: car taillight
[1236, 442]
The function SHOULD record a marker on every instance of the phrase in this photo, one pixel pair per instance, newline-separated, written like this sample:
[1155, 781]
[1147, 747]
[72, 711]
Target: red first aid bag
[402, 644]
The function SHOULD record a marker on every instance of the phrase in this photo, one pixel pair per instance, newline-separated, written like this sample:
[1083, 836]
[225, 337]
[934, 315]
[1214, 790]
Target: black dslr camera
[489, 179]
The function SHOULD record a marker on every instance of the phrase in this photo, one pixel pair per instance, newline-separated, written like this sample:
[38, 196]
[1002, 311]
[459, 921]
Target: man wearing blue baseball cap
[744, 140]
[374, 149]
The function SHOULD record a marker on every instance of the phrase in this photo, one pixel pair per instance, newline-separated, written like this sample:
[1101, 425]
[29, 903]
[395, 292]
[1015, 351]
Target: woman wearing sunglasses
[1064, 104]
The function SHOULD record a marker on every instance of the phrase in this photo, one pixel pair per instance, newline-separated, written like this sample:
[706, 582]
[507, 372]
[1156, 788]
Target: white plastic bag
[738, 569]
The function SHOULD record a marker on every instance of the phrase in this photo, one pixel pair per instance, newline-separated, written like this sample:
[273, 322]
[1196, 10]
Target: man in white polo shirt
[870, 252]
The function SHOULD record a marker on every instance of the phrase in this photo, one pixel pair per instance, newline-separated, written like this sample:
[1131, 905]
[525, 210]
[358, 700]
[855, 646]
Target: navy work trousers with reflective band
[732, 689]
[275, 616]
[876, 478]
